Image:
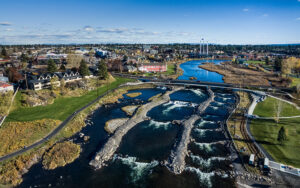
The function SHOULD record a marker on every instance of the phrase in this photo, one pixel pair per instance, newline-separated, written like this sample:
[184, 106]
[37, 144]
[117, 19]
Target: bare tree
[73, 60]
[277, 110]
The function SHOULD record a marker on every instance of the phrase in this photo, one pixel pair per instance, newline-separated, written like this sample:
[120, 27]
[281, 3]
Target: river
[191, 69]
[140, 158]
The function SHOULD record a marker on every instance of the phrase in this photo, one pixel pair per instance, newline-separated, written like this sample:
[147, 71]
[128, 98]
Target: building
[130, 68]
[153, 67]
[101, 53]
[5, 87]
[43, 81]
[3, 78]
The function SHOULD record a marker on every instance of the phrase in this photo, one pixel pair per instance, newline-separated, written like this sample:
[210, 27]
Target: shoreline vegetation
[60, 155]
[237, 75]
[133, 95]
[11, 170]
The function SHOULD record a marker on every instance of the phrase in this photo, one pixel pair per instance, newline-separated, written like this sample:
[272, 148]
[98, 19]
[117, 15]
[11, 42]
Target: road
[55, 131]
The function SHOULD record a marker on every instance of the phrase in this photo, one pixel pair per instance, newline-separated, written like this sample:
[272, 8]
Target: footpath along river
[142, 157]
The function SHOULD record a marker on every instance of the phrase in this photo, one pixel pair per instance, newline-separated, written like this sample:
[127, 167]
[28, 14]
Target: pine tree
[281, 135]
[51, 66]
[102, 73]
[83, 69]
[62, 68]
[4, 52]
[267, 61]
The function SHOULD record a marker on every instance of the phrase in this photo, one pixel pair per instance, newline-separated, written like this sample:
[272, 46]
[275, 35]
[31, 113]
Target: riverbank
[12, 169]
[114, 141]
[243, 76]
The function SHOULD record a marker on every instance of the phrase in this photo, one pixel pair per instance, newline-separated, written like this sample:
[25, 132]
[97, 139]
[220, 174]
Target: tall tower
[200, 47]
[207, 48]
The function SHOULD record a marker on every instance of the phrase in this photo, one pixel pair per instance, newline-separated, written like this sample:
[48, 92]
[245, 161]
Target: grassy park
[266, 131]
[267, 108]
[62, 106]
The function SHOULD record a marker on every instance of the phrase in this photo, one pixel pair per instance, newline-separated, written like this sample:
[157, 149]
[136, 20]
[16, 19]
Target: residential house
[5, 87]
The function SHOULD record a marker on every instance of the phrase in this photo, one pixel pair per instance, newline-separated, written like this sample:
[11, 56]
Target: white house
[5, 87]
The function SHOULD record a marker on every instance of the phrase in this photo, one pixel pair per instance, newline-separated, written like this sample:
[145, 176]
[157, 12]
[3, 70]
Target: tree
[24, 57]
[54, 83]
[13, 75]
[62, 68]
[83, 69]
[102, 72]
[4, 52]
[281, 135]
[62, 86]
[73, 60]
[267, 61]
[278, 63]
[51, 66]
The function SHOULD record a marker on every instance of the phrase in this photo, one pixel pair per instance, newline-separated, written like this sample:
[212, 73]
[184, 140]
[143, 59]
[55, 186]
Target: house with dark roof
[43, 81]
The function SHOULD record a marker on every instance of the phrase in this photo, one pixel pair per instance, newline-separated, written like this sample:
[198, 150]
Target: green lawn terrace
[62, 106]
[265, 132]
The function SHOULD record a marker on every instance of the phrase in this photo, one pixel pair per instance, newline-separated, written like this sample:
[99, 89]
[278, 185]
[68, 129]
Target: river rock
[113, 124]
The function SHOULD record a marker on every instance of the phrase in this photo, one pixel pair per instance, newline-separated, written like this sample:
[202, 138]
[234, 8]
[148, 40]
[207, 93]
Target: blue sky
[149, 21]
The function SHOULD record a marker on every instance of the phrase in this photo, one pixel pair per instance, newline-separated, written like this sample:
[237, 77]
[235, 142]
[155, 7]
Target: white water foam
[198, 92]
[205, 163]
[174, 104]
[157, 124]
[214, 107]
[204, 178]
[204, 146]
[139, 169]
[219, 103]
[202, 132]
[203, 122]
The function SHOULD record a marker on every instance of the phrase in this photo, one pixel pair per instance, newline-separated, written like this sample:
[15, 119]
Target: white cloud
[265, 15]
[5, 24]
[88, 28]
[8, 29]
[298, 19]
[246, 10]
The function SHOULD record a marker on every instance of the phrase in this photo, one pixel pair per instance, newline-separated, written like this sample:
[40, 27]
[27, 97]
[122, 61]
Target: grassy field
[170, 70]
[265, 133]
[16, 135]
[266, 108]
[295, 81]
[62, 106]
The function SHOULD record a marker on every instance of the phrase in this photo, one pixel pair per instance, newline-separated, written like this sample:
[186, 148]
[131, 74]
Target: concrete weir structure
[110, 147]
[176, 162]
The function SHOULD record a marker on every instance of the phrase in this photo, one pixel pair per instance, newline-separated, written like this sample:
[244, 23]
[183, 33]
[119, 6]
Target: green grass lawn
[295, 82]
[170, 70]
[266, 109]
[265, 132]
[61, 108]
[256, 62]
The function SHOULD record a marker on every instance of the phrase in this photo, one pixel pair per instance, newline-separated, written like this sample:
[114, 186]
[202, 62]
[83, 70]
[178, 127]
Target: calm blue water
[191, 69]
